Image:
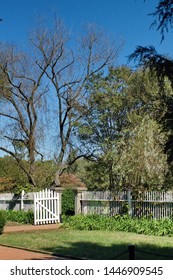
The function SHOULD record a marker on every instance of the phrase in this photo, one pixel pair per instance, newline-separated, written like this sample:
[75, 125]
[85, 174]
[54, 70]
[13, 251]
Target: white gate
[46, 207]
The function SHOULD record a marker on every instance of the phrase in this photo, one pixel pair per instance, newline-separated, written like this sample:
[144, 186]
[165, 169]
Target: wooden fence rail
[154, 204]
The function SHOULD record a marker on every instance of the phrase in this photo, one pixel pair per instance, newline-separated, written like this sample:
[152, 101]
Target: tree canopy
[43, 94]
[70, 116]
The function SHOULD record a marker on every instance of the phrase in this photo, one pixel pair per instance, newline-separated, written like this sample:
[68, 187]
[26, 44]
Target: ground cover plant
[22, 217]
[148, 226]
[93, 244]
[2, 222]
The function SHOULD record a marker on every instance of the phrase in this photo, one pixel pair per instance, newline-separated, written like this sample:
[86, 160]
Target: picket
[155, 204]
[46, 207]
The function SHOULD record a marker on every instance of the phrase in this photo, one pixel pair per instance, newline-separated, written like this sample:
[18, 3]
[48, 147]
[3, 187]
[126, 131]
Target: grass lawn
[92, 244]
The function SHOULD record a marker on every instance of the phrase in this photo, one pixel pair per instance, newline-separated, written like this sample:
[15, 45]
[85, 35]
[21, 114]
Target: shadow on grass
[93, 251]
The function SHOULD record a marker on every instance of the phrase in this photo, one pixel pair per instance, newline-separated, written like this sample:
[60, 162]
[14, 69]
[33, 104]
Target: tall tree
[68, 72]
[162, 67]
[148, 56]
[120, 102]
[142, 162]
[20, 95]
[103, 127]
[56, 70]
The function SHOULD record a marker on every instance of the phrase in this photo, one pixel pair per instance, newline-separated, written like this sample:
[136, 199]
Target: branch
[163, 17]
[8, 152]
[18, 87]
[100, 67]
[8, 116]
[66, 66]
[22, 122]
[15, 139]
[39, 153]
[85, 156]
[88, 157]
[149, 58]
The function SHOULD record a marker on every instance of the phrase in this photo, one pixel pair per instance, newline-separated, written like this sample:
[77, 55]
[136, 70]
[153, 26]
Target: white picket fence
[46, 207]
[156, 204]
[47, 204]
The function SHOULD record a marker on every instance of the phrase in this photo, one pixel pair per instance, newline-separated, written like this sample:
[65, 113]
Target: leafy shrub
[163, 227]
[29, 218]
[19, 216]
[26, 188]
[68, 202]
[69, 181]
[6, 184]
[2, 222]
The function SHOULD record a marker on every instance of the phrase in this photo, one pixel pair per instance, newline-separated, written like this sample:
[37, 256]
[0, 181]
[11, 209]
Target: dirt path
[9, 253]
[22, 228]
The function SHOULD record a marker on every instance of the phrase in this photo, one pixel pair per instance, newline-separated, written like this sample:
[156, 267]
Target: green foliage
[44, 173]
[19, 216]
[68, 202]
[128, 131]
[2, 221]
[108, 103]
[96, 175]
[102, 127]
[163, 227]
[9, 171]
[13, 179]
[29, 218]
[26, 188]
[142, 162]
[123, 129]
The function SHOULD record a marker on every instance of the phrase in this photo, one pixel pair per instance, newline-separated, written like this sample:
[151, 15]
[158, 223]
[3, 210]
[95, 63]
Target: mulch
[16, 253]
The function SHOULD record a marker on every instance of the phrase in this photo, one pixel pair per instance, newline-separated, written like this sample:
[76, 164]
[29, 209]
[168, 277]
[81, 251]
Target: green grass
[92, 244]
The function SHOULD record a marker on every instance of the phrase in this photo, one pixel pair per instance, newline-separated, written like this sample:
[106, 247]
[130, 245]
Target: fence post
[60, 191]
[131, 250]
[129, 198]
[21, 200]
[35, 210]
[78, 201]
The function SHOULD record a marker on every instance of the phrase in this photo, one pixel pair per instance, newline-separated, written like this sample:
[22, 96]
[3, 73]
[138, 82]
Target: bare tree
[20, 94]
[68, 72]
[57, 70]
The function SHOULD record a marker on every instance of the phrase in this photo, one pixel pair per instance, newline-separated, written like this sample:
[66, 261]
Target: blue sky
[126, 19]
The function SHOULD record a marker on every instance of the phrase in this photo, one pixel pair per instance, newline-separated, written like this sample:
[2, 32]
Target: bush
[21, 217]
[29, 218]
[163, 227]
[68, 202]
[2, 222]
